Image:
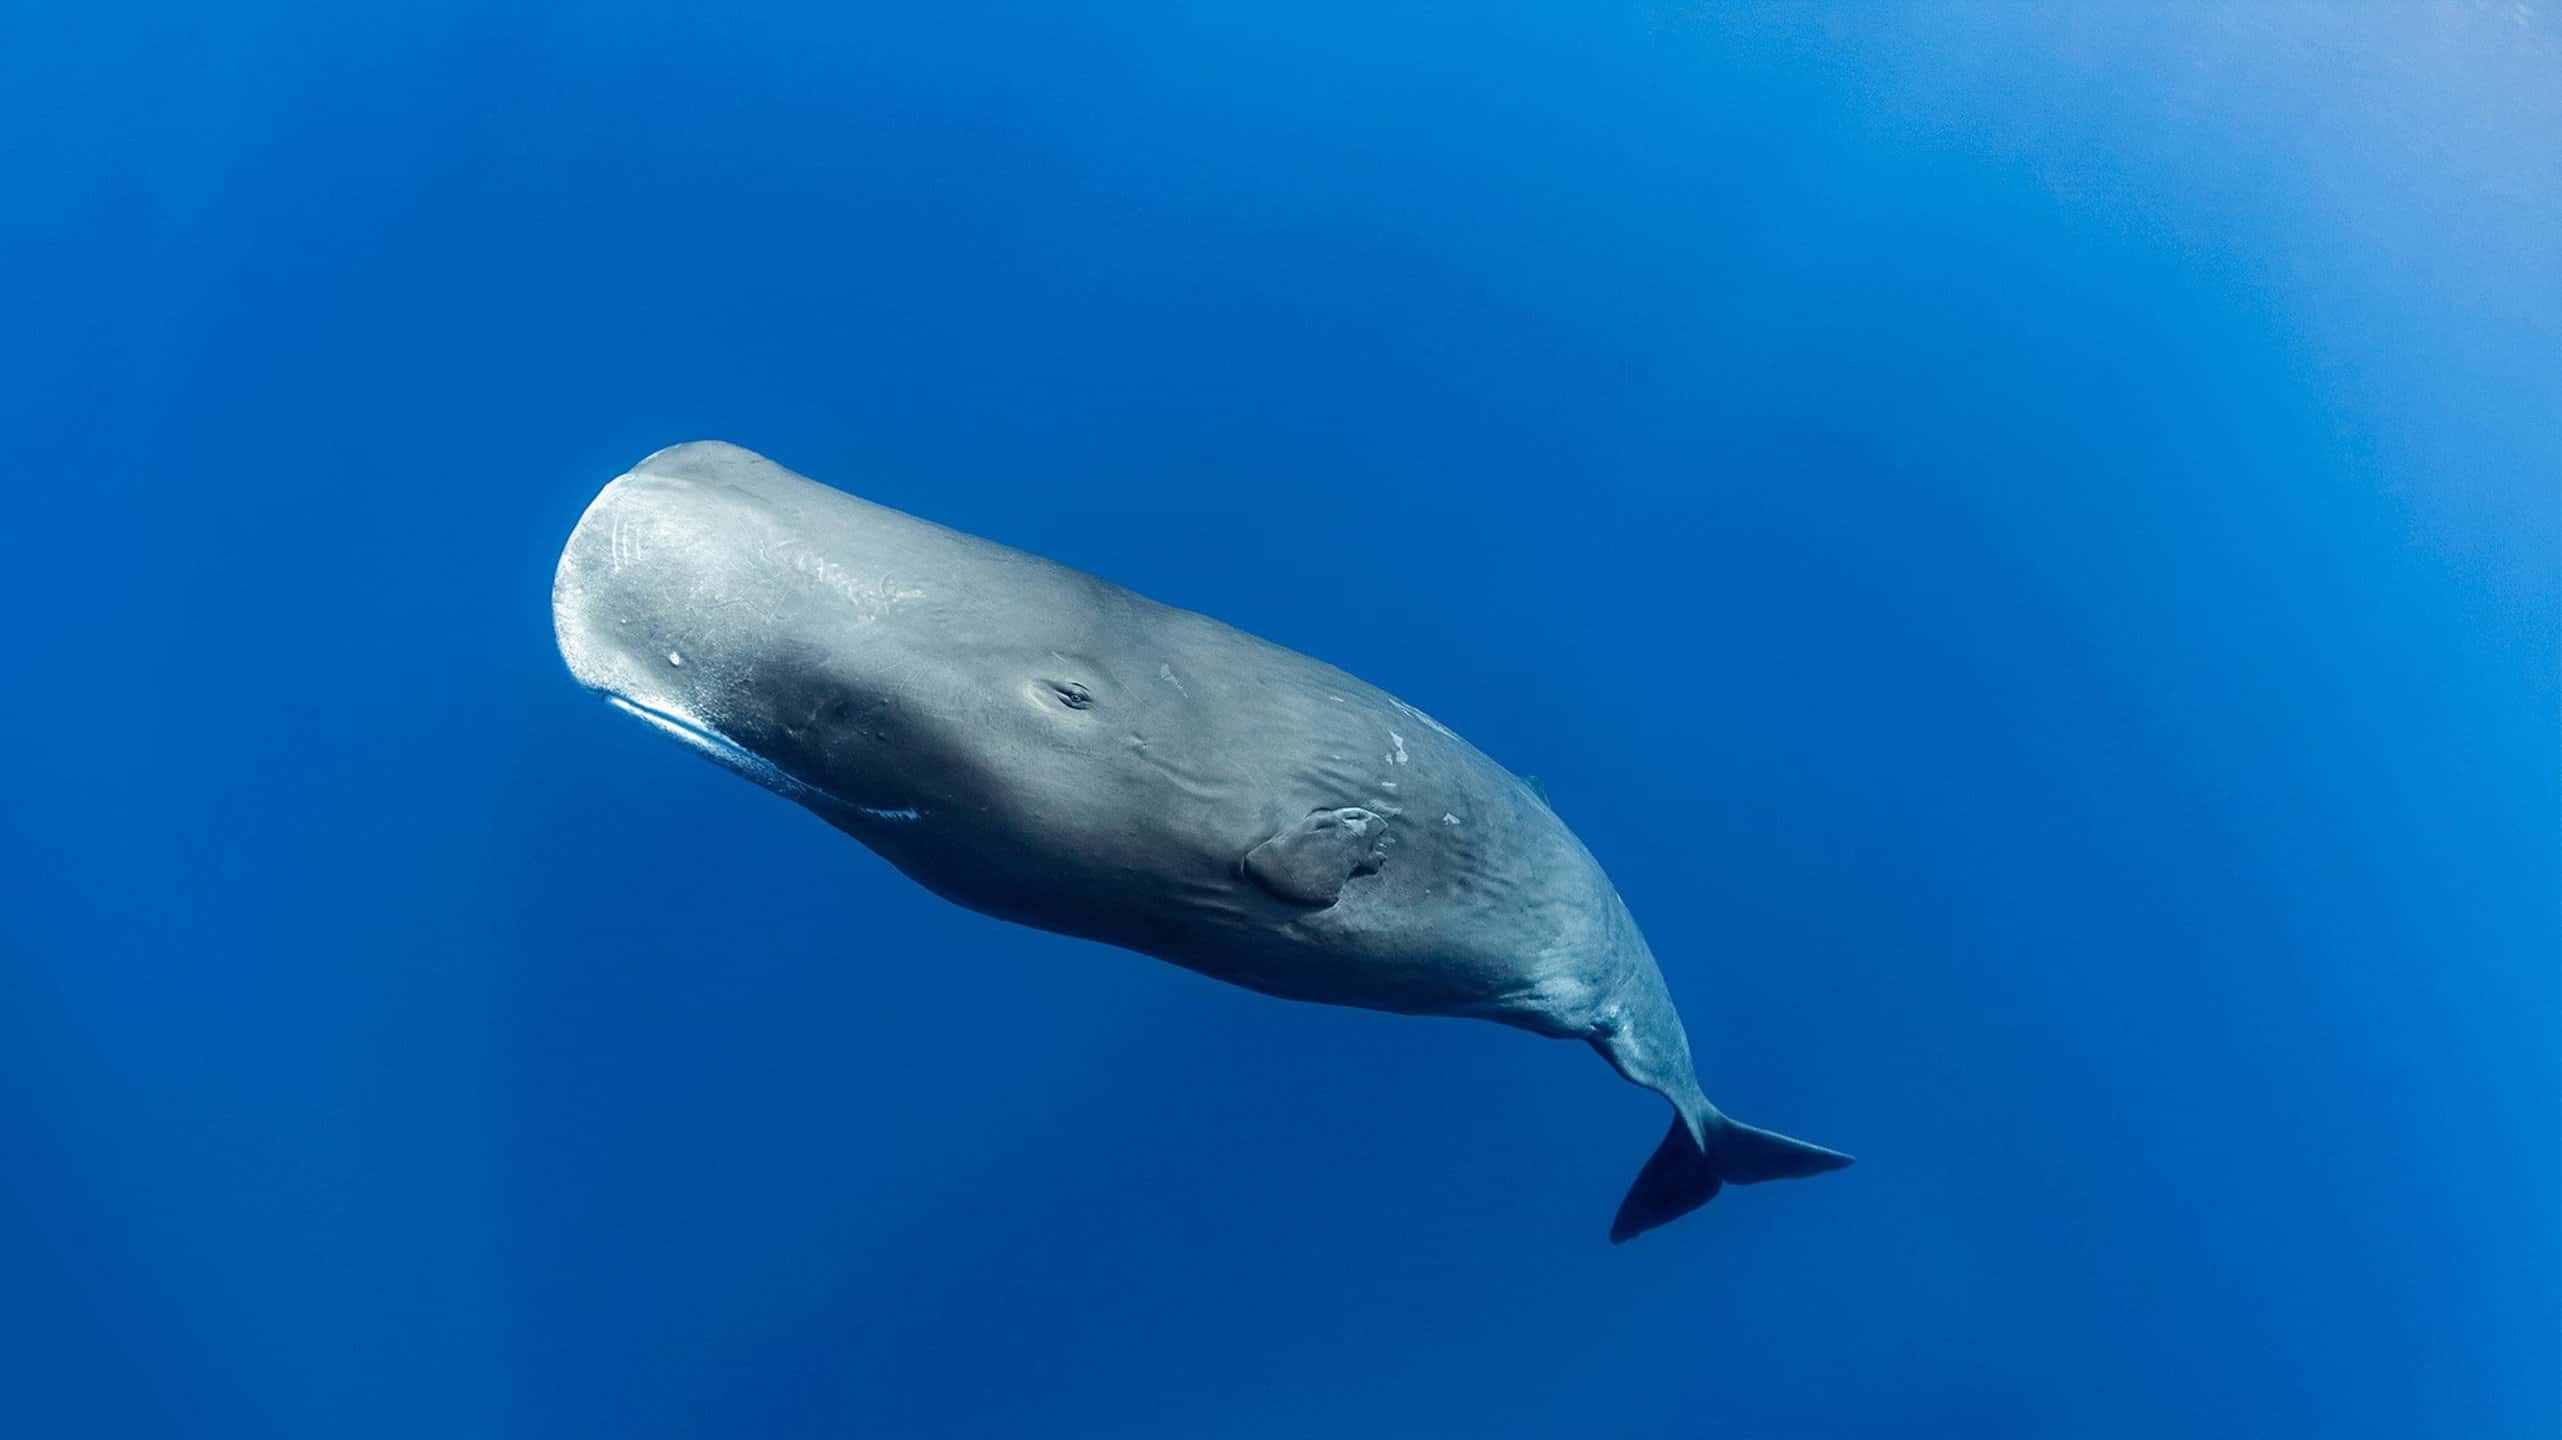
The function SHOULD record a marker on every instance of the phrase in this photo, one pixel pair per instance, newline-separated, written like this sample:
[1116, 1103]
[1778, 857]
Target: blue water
[2030, 546]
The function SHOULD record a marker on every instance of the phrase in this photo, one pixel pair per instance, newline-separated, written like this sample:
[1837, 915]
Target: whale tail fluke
[1683, 1175]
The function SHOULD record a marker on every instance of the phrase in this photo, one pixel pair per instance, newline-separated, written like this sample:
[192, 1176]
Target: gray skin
[1048, 748]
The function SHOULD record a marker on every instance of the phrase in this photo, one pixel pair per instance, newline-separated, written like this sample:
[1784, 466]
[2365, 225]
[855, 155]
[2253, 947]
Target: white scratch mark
[1166, 674]
[675, 659]
[1400, 742]
[870, 596]
[1449, 819]
[904, 812]
[1407, 709]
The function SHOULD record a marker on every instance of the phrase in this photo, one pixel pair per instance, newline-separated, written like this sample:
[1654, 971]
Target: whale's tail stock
[1704, 1152]
[1688, 1169]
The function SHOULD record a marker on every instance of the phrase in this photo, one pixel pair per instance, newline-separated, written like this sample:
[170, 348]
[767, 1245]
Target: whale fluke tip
[1680, 1176]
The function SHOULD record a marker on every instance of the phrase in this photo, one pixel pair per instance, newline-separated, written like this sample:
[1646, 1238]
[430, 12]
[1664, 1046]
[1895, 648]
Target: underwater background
[2028, 539]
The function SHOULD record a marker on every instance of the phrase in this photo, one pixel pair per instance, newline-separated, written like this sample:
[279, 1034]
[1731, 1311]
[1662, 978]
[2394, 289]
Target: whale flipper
[1308, 863]
[1681, 1176]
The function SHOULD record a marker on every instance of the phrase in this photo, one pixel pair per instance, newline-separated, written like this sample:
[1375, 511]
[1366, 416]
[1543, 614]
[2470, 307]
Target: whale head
[824, 647]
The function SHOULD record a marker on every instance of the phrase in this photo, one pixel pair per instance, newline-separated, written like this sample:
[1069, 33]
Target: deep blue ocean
[2028, 539]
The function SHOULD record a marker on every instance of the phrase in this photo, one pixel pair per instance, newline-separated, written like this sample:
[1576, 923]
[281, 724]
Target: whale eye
[1071, 694]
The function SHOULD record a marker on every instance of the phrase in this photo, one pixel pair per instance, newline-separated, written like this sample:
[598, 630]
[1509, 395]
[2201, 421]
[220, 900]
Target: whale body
[1048, 748]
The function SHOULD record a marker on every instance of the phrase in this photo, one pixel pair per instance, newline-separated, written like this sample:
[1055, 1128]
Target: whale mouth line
[720, 749]
[726, 752]
[686, 728]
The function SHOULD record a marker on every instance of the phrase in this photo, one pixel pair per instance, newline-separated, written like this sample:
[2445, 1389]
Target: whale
[1048, 748]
